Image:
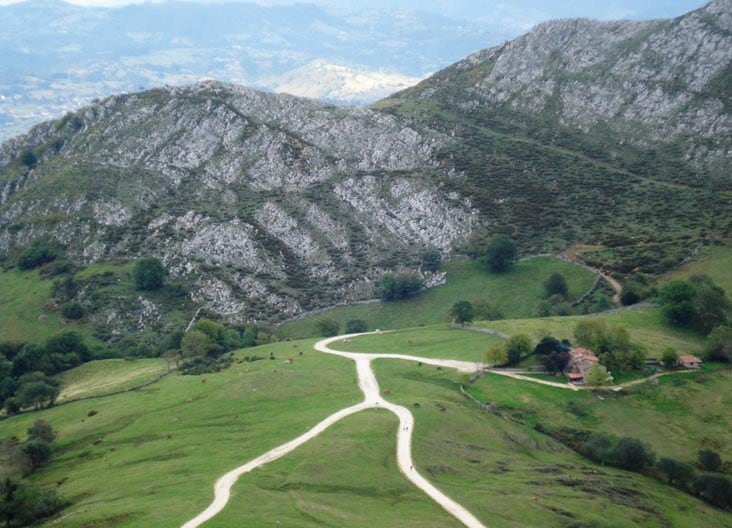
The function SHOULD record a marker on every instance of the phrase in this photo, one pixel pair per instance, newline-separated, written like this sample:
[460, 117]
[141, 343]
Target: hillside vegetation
[187, 430]
[515, 293]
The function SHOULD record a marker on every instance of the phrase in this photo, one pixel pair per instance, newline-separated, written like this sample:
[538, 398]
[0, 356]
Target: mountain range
[612, 138]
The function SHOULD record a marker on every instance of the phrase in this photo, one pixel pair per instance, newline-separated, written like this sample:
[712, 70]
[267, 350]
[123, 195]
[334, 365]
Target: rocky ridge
[268, 204]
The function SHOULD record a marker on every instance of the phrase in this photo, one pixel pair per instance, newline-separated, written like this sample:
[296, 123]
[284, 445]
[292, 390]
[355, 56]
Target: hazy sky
[522, 12]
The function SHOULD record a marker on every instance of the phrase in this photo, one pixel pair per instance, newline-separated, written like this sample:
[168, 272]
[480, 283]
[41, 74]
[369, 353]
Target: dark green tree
[148, 274]
[28, 158]
[716, 489]
[709, 460]
[499, 254]
[677, 473]
[462, 312]
[41, 430]
[677, 299]
[327, 327]
[556, 284]
[669, 357]
[719, 344]
[39, 252]
[431, 260]
[517, 347]
[38, 394]
[37, 451]
[356, 326]
[631, 453]
[72, 310]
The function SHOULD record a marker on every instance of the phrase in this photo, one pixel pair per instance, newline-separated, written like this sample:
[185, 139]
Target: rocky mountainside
[653, 97]
[611, 138]
[269, 204]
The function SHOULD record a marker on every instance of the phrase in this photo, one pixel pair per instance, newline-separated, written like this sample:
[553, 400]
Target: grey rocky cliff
[269, 204]
[640, 83]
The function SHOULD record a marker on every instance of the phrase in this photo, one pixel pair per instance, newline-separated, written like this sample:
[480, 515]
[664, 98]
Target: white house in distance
[689, 361]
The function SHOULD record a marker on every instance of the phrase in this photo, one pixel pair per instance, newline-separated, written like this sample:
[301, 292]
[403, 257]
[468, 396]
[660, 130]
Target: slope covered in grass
[106, 376]
[645, 325]
[514, 292]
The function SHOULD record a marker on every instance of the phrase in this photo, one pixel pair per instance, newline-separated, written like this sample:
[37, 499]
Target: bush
[41, 430]
[431, 260]
[37, 451]
[709, 460]
[556, 284]
[677, 473]
[517, 347]
[72, 310]
[356, 326]
[719, 345]
[148, 274]
[39, 252]
[499, 254]
[715, 489]
[327, 327]
[394, 287]
[632, 454]
[28, 158]
[462, 312]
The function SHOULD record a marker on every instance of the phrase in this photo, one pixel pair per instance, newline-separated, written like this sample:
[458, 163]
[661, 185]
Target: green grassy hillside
[150, 457]
[514, 292]
[645, 325]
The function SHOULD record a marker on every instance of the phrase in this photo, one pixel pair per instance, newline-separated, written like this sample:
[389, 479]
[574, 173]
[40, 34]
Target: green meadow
[514, 292]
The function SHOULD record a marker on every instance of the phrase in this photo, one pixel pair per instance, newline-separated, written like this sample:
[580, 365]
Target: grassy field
[150, 457]
[514, 292]
[23, 316]
[109, 375]
[437, 341]
[511, 476]
[715, 261]
[645, 325]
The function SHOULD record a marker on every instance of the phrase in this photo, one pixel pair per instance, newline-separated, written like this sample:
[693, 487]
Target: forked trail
[372, 399]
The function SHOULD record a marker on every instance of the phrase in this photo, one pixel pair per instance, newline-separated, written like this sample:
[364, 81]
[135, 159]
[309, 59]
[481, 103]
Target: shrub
[28, 158]
[431, 260]
[556, 284]
[677, 473]
[709, 460]
[394, 287]
[462, 312]
[327, 327]
[72, 310]
[39, 252]
[632, 454]
[148, 274]
[356, 326]
[499, 254]
[715, 489]
[41, 430]
[37, 451]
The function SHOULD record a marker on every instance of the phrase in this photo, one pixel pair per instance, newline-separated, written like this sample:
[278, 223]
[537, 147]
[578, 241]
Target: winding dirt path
[372, 399]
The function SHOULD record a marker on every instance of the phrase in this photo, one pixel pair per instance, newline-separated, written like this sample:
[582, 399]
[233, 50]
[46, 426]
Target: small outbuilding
[689, 361]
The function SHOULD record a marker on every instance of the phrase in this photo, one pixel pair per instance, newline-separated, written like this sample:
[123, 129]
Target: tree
[72, 310]
[555, 361]
[556, 285]
[631, 293]
[709, 460]
[485, 311]
[710, 303]
[517, 347]
[356, 326]
[631, 453]
[22, 503]
[327, 327]
[148, 274]
[677, 473]
[394, 287]
[598, 376]
[496, 354]
[719, 345]
[715, 489]
[41, 430]
[37, 451]
[462, 312]
[499, 254]
[547, 345]
[195, 344]
[39, 252]
[39, 394]
[669, 357]
[28, 158]
[431, 260]
[677, 300]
